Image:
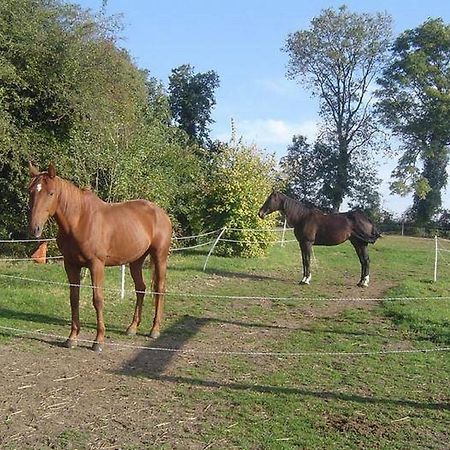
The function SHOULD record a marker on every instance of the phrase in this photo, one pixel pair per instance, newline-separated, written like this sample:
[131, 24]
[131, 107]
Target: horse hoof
[97, 347]
[131, 331]
[155, 334]
[70, 343]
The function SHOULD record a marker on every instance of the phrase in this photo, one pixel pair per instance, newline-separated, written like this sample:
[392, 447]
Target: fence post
[122, 281]
[284, 232]
[403, 228]
[213, 246]
[435, 258]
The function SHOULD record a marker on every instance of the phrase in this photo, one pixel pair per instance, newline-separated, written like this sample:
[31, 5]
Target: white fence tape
[29, 259]
[230, 297]
[196, 236]
[3, 241]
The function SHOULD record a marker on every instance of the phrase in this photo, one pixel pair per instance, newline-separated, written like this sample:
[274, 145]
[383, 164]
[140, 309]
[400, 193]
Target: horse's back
[331, 229]
[142, 215]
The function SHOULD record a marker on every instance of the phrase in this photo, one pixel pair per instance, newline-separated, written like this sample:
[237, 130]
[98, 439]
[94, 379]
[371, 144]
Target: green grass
[382, 401]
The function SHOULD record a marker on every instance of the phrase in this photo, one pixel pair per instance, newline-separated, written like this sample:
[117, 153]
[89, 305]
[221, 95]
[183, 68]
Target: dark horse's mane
[299, 206]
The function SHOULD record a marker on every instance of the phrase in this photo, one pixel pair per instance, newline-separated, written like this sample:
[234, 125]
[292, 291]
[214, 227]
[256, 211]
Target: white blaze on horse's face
[42, 204]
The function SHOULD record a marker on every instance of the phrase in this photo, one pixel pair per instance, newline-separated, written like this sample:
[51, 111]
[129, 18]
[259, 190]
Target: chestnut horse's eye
[50, 193]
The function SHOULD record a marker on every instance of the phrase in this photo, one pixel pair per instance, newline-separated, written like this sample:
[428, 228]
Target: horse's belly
[331, 238]
[126, 248]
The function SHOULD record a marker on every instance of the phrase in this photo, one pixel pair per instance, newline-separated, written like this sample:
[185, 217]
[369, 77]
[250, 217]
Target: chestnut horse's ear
[51, 171]
[34, 171]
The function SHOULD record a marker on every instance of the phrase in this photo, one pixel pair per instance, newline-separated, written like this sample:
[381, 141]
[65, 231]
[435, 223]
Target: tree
[311, 174]
[69, 94]
[191, 97]
[414, 101]
[303, 170]
[338, 59]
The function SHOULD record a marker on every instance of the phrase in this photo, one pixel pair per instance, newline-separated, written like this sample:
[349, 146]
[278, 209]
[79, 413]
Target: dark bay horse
[95, 234]
[314, 227]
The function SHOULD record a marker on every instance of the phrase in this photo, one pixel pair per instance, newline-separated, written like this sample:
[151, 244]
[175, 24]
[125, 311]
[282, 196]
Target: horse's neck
[71, 206]
[294, 211]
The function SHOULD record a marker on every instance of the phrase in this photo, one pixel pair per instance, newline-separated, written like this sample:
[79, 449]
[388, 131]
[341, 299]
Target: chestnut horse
[314, 227]
[95, 234]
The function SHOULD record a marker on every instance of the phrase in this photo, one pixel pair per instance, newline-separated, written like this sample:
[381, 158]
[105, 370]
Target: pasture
[130, 397]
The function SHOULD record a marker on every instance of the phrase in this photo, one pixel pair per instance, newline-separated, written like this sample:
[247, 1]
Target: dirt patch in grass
[58, 398]
[358, 424]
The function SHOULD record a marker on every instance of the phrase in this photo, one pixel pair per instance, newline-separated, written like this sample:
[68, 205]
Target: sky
[242, 41]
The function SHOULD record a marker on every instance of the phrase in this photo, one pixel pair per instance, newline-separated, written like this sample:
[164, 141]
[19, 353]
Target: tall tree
[69, 94]
[192, 98]
[311, 173]
[414, 101]
[338, 59]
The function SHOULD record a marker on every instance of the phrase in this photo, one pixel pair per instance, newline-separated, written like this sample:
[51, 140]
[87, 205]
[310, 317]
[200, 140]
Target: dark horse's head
[43, 200]
[273, 203]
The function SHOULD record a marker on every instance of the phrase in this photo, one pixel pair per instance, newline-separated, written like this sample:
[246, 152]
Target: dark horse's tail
[363, 228]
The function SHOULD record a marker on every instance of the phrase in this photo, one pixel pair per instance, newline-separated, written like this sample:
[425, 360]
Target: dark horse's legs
[305, 247]
[73, 274]
[139, 285]
[363, 255]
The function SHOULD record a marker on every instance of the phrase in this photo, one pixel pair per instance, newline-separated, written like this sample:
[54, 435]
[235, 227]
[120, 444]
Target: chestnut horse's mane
[70, 195]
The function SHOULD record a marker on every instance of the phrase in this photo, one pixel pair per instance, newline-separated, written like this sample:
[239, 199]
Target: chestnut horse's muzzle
[36, 230]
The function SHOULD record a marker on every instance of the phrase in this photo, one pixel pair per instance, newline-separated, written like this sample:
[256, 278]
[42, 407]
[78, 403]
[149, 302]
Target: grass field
[136, 398]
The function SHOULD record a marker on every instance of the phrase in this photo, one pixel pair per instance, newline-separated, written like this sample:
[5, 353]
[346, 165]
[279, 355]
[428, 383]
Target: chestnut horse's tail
[363, 228]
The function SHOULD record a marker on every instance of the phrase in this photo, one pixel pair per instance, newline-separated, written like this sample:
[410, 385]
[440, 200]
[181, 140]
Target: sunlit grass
[276, 403]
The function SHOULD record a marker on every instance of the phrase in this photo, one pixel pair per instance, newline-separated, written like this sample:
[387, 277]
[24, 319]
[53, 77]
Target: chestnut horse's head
[273, 203]
[43, 198]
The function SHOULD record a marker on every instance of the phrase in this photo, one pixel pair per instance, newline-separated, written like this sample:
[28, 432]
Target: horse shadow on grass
[230, 274]
[39, 318]
[153, 363]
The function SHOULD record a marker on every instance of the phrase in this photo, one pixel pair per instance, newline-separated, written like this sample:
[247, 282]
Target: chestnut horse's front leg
[97, 269]
[73, 274]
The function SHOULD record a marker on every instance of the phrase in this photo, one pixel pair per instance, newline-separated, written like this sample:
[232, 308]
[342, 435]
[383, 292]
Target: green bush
[240, 179]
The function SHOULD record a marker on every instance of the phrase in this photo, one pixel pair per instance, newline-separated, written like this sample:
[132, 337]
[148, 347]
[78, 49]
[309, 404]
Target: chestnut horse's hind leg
[363, 255]
[306, 260]
[139, 285]
[159, 286]
[73, 274]
[98, 275]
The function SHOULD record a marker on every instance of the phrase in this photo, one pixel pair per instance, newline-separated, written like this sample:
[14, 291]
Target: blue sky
[242, 41]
